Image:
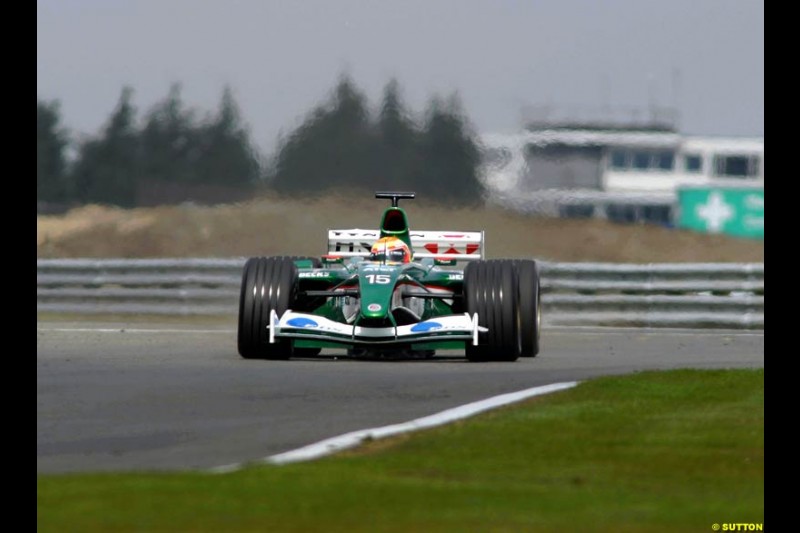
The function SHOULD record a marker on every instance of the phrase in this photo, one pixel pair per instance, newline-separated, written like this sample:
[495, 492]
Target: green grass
[654, 451]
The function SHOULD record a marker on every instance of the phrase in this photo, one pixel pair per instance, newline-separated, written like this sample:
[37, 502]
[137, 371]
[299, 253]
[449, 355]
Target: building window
[664, 160]
[693, 164]
[619, 160]
[736, 166]
[641, 160]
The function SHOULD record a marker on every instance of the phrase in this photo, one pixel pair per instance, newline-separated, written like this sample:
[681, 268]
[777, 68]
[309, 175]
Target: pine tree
[396, 150]
[227, 157]
[51, 141]
[449, 155]
[107, 168]
[330, 149]
[170, 141]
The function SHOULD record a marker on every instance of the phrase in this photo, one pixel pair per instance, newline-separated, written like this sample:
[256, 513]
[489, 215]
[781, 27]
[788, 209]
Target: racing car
[391, 290]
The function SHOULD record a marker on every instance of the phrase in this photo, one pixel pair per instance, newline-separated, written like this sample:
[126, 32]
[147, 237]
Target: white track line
[135, 330]
[617, 330]
[353, 439]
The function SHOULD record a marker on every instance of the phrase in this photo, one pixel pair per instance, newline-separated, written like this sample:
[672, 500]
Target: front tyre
[268, 283]
[491, 290]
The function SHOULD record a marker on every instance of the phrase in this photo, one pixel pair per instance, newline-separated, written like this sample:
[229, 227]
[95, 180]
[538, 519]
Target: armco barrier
[711, 295]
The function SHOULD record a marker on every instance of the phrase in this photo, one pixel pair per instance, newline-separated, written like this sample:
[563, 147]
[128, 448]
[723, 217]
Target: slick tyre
[491, 290]
[529, 306]
[268, 283]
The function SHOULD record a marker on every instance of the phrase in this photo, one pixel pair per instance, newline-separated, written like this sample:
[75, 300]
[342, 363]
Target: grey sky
[282, 57]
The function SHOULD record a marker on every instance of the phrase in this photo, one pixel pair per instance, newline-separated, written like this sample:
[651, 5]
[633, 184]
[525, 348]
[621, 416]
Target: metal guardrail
[693, 295]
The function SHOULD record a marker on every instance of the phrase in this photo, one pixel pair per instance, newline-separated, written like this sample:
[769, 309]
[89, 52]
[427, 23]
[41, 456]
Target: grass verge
[654, 451]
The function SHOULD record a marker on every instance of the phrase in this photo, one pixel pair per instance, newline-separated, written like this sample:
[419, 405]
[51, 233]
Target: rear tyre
[491, 290]
[268, 283]
[529, 308]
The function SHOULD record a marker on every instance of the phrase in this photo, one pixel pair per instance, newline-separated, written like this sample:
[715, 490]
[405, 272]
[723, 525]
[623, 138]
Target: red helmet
[390, 250]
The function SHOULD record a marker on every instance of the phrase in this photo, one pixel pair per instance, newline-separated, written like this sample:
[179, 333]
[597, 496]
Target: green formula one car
[391, 290]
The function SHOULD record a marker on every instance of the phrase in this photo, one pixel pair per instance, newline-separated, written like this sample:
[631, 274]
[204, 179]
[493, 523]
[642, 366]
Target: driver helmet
[390, 250]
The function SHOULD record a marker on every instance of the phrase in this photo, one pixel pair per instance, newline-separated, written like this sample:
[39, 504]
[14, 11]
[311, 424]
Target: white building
[693, 161]
[575, 170]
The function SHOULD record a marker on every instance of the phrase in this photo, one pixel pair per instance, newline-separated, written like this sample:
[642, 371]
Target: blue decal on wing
[302, 322]
[426, 326]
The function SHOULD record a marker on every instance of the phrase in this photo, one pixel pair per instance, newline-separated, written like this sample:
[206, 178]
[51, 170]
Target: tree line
[340, 145]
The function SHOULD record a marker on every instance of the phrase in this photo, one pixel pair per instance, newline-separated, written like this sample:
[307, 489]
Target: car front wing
[294, 325]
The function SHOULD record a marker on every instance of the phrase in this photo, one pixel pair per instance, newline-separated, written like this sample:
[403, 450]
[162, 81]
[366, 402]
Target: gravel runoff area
[280, 226]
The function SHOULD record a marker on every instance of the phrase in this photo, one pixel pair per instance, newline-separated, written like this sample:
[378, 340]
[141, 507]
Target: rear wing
[442, 245]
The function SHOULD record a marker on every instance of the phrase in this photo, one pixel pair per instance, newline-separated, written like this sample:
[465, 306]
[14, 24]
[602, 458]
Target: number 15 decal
[379, 279]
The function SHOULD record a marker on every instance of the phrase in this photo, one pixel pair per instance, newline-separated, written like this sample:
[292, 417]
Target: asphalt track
[114, 397]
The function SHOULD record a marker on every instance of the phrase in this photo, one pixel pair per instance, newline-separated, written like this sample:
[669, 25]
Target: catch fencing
[686, 295]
